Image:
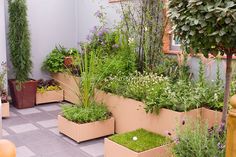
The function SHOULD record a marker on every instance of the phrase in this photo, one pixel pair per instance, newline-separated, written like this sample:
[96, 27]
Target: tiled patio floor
[34, 132]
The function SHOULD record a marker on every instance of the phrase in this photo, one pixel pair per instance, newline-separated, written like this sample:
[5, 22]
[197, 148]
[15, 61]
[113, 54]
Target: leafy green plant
[87, 110]
[140, 140]
[207, 27]
[3, 92]
[196, 140]
[19, 39]
[55, 60]
[82, 114]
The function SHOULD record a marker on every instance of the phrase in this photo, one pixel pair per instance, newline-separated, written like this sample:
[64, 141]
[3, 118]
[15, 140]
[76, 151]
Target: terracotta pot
[122, 109]
[49, 96]
[24, 96]
[87, 131]
[211, 117]
[113, 149]
[68, 61]
[69, 84]
[5, 110]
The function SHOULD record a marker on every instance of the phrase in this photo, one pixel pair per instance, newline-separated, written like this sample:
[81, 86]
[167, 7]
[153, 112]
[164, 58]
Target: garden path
[35, 134]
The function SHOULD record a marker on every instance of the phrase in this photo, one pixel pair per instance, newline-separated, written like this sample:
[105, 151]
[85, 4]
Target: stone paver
[35, 134]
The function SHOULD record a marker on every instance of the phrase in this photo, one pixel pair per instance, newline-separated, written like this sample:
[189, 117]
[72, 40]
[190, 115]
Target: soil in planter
[140, 140]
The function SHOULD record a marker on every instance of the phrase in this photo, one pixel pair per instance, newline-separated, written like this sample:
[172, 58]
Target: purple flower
[98, 14]
[102, 32]
[94, 30]
[88, 37]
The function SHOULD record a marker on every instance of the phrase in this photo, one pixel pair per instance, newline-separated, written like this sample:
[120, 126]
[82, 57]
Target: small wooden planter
[5, 110]
[49, 96]
[113, 149]
[84, 132]
[69, 84]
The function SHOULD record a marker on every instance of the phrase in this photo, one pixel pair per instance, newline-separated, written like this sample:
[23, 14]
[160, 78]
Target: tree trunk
[227, 88]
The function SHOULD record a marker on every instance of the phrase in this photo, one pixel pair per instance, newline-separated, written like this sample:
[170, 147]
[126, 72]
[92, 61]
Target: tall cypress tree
[19, 40]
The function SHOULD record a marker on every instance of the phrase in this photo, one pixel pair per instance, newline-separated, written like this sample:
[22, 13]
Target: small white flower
[131, 40]
[135, 138]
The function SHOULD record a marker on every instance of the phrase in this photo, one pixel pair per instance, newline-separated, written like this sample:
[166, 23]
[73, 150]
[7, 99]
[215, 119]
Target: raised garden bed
[49, 96]
[87, 131]
[69, 84]
[167, 120]
[139, 143]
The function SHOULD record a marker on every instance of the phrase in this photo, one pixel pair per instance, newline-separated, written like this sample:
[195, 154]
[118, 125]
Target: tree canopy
[205, 25]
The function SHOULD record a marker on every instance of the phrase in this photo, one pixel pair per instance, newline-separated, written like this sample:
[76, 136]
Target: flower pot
[113, 149]
[131, 115]
[24, 95]
[68, 61]
[5, 110]
[69, 84]
[87, 131]
[49, 96]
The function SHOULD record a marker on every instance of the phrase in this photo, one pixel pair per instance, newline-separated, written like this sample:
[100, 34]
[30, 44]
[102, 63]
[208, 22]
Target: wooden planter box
[69, 85]
[130, 115]
[5, 110]
[211, 117]
[49, 96]
[113, 149]
[84, 132]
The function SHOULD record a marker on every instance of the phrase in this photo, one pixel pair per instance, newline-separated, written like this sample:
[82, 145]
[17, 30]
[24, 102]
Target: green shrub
[19, 40]
[85, 114]
[196, 140]
[145, 140]
[54, 62]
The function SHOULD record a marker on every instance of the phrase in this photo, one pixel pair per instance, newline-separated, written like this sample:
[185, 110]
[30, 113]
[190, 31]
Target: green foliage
[86, 114]
[54, 62]
[145, 140]
[3, 72]
[204, 25]
[19, 39]
[48, 85]
[196, 140]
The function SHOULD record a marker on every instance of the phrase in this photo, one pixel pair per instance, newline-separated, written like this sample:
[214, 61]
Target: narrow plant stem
[227, 88]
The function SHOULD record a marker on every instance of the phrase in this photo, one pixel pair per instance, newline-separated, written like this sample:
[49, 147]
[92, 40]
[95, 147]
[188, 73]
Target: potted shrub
[138, 143]
[88, 119]
[3, 93]
[23, 89]
[48, 91]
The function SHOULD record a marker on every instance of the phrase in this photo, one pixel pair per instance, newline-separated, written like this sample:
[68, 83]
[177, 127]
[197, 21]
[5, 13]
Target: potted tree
[208, 28]
[22, 88]
[86, 119]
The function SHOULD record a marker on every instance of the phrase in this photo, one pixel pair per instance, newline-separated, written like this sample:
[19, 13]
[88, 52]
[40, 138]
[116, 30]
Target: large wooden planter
[113, 149]
[5, 110]
[84, 132]
[130, 115]
[69, 84]
[49, 96]
[211, 117]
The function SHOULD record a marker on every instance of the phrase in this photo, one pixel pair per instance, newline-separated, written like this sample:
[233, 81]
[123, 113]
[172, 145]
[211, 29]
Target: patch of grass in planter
[82, 114]
[145, 140]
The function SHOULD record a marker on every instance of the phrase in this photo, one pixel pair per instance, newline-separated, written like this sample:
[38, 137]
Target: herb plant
[48, 85]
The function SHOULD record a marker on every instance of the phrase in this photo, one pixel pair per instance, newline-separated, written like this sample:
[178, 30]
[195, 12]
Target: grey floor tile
[23, 151]
[48, 123]
[95, 150]
[70, 141]
[55, 131]
[50, 108]
[28, 111]
[5, 133]
[23, 128]
[37, 117]
[14, 139]
[13, 121]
